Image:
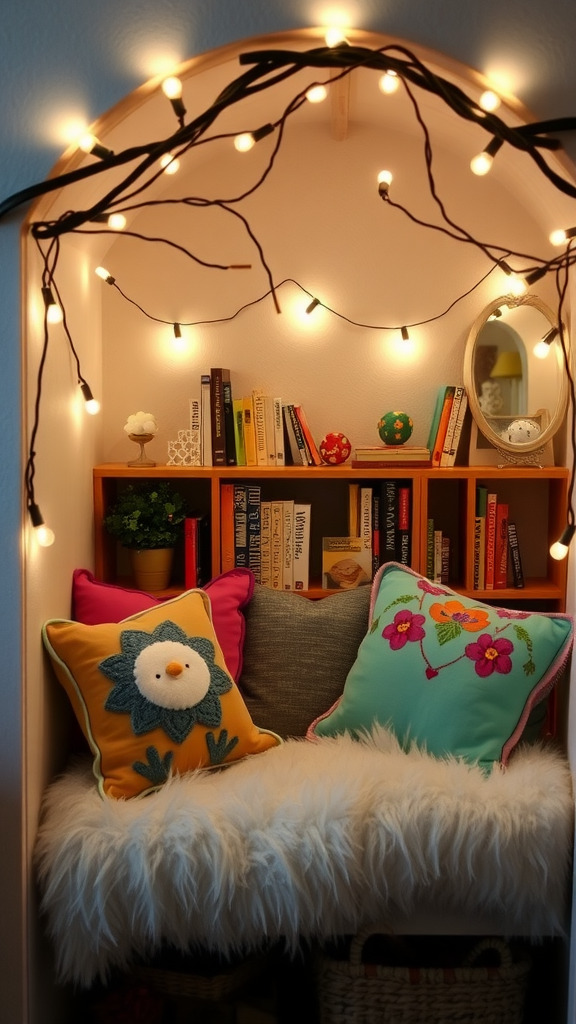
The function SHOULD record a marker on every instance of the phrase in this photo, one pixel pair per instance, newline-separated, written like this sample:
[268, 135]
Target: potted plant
[147, 519]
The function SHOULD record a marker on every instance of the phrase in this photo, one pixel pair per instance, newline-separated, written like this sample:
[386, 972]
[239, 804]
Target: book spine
[437, 556]
[388, 520]
[449, 438]
[365, 512]
[265, 564]
[249, 433]
[430, 549]
[253, 514]
[301, 561]
[276, 550]
[290, 441]
[458, 429]
[260, 428]
[477, 548]
[287, 546]
[353, 510]
[240, 525]
[229, 430]
[217, 375]
[227, 527]
[190, 553]
[305, 459]
[279, 432]
[445, 560]
[269, 431]
[403, 543]
[239, 432]
[515, 557]
[481, 502]
[442, 427]
[491, 503]
[389, 463]
[375, 532]
[310, 442]
[195, 446]
[434, 422]
[501, 556]
[203, 550]
[206, 420]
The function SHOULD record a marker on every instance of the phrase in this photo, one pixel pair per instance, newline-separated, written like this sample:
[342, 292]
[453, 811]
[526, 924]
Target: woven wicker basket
[350, 992]
[212, 987]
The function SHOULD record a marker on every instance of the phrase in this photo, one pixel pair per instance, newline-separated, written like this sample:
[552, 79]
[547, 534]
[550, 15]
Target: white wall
[65, 57]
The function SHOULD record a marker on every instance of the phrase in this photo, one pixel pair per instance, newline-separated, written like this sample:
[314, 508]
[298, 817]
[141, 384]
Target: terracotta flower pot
[152, 568]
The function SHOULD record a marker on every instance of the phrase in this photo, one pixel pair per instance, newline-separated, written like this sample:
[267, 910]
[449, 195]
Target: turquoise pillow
[445, 671]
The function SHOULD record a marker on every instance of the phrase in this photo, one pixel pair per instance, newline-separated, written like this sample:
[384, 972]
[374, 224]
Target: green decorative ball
[395, 427]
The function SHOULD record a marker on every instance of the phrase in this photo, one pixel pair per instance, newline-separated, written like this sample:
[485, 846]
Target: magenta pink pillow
[94, 602]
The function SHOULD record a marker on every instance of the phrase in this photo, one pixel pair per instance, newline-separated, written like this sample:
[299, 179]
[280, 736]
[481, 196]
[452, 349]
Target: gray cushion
[297, 654]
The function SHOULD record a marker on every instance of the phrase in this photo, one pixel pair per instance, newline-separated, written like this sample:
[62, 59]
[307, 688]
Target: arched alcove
[324, 230]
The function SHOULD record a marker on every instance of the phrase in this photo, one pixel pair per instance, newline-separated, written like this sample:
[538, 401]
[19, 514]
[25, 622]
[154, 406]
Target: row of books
[447, 425]
[496, 548]
[255, 430]
[272, 538]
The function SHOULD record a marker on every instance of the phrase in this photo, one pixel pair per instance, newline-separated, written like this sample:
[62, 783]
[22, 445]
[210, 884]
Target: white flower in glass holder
[141, 428]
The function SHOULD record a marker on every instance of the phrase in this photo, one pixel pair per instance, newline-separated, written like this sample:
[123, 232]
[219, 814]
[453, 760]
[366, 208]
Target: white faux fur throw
[308, 839]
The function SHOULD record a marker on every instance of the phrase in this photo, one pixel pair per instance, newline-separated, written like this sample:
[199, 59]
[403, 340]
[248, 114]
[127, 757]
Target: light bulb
[389, 82]
[561, 236]
[385, 179]
[517, 286]
[88, 143]
[117, 221]
[542, 349]
[334, 36]
[54, 314]
[489, 100]
[169, 163]
[559, 549]
[312, 305]
[172, 88]
[244, 142]
[92, 406]
[105, 275]
[481, 164]
[43, 534]
[316, 94]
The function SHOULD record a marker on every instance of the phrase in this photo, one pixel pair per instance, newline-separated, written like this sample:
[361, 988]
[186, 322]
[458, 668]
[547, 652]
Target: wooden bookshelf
[537, 498]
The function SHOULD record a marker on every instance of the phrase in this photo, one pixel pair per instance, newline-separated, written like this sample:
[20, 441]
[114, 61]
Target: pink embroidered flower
[490, 655]
[470, 619]
[508, 613]
[406, 627]
[429, 588]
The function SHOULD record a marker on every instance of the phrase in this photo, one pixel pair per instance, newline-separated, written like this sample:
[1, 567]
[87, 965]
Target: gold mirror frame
[510, 451]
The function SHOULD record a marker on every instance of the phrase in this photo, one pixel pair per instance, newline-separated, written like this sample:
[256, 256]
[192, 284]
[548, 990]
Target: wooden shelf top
[121, 469]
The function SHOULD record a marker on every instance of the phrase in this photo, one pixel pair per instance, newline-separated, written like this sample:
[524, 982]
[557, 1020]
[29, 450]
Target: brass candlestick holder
[142, 460]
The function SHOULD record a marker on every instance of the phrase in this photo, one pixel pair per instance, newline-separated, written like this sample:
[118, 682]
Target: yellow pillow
[152, 694]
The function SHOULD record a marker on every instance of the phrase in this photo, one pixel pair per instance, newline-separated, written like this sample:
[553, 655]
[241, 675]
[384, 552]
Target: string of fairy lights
[397, 67]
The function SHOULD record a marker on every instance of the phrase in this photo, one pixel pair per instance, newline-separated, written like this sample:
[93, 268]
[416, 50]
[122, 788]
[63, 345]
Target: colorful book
[195, 442]
[491, 504]
[227, 526]
[398, 455]
[249, 432]
[501, 547]
[301, 553]
[239, 432]
[375, 531]
[241, 525]
[294, 426]
[459, 392]
[217, 377]
[196, 550]
[515, 557]
[205, 420]
[315, 457]
[480, 538]
[442, 426]
[279, 432]
[430, 549]
[346, 563]
[445, 560]
[403, 525]
[265, 563]
[288, 545]
[365, 518]
[253, 515]
[276, 549]
[260, 427]
[229, 427]
[458, 429]
[354, 510]
[435, 421]
[269, 431]
[388, 520]
[437, 556]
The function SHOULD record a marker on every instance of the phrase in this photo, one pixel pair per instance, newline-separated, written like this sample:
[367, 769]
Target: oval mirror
[514, 375]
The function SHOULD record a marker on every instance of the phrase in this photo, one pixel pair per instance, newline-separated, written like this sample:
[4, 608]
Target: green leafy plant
[147, 515]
